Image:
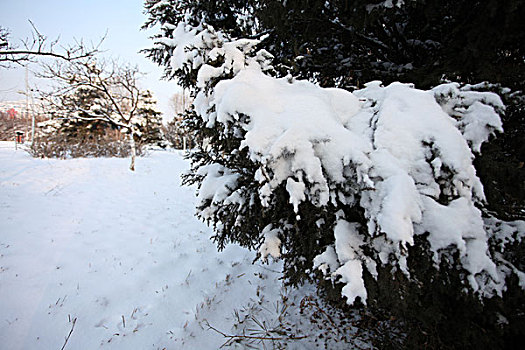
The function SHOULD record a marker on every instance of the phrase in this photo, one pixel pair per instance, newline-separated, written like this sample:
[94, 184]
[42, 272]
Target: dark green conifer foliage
[151, 131]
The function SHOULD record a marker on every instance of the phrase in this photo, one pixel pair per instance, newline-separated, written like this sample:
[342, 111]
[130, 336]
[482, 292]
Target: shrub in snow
[69, 138]
[374, 190]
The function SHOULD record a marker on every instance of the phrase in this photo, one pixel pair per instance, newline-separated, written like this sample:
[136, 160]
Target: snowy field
[93, 255]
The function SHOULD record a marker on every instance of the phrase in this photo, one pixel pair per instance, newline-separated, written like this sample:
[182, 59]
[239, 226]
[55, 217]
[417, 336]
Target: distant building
[19, 107]
[14, 117]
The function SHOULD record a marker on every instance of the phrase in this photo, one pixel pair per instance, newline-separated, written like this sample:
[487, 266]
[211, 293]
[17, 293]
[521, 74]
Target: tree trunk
[133, 150]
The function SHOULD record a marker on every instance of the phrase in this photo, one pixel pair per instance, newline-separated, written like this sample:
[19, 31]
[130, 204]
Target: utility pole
[14, 133]
[32, 119]
[29, 96]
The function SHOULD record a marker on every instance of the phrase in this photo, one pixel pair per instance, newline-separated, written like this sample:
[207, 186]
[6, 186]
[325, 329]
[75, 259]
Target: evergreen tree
[273, 199]
[150, 128]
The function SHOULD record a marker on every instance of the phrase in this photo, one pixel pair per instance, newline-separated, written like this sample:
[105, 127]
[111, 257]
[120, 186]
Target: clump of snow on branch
[502, 234]
[472, 110]
[272, 243]
[401, 154]
[216, 186]
[386, 3]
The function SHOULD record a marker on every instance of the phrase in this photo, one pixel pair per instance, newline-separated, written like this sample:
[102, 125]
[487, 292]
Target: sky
[88, 20]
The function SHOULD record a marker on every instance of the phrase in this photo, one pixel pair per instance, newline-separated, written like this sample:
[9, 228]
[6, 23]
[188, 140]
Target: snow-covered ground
[93, 255]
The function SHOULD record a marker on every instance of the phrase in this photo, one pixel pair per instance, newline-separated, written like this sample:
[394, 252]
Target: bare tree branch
[40, 46]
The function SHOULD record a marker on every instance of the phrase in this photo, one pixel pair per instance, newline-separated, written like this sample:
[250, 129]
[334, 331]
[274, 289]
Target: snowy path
[120, 252]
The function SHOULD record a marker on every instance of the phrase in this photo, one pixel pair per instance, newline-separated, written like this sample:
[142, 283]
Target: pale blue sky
[88, 20]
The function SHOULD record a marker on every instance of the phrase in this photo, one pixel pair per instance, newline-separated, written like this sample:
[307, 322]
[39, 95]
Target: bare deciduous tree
[175, 131]
[179, 102]
[91, 89]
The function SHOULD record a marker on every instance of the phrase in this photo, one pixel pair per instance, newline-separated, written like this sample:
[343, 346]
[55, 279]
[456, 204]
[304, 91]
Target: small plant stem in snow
[234, 337]
[70, 332]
